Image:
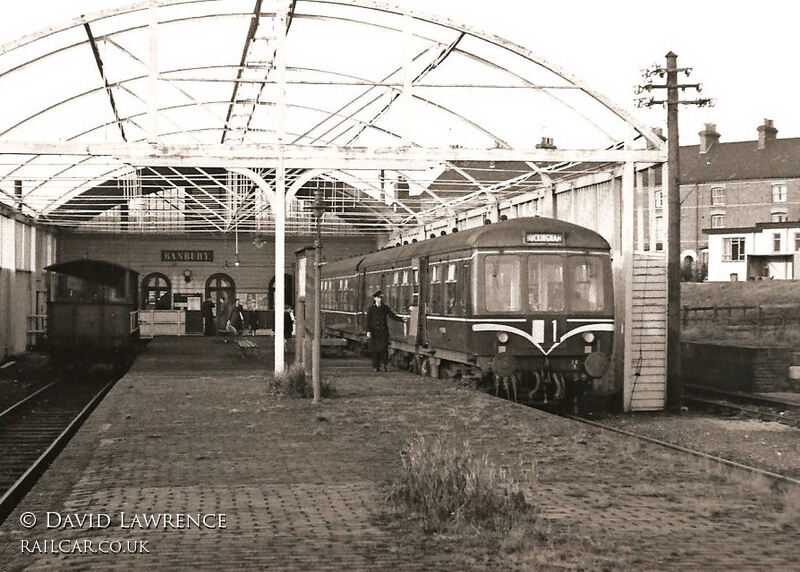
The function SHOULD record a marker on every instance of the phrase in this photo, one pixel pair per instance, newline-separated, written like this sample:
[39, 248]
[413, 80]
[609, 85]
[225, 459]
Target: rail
[721, 460]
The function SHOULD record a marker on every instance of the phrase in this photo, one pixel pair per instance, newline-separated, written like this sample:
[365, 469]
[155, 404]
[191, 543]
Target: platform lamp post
[674, 90]
[318, 208]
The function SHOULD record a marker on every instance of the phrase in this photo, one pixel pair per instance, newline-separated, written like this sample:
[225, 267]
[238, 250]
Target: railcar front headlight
[502, 337]
[588, 337]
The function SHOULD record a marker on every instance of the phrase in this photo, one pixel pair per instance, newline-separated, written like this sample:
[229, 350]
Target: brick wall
[735, 368]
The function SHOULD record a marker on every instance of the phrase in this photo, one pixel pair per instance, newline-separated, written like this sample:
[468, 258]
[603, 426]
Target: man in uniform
[378, 330]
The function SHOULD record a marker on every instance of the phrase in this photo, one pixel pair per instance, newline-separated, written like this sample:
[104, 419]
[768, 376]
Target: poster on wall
[262, 301]
[250, 301]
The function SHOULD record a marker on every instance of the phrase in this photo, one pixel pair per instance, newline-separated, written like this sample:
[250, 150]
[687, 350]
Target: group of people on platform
[231, 319]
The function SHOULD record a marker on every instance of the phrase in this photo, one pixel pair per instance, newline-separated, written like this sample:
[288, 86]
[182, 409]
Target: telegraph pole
[672, 102]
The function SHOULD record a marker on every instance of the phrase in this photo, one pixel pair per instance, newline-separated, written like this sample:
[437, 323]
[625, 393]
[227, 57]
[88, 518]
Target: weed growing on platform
[447, 486]
[292, 381]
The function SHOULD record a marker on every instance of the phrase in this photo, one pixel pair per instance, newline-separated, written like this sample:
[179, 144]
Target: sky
[740, 51]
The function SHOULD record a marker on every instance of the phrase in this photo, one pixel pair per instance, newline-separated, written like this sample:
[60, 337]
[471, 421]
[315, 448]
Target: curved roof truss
[166, 95]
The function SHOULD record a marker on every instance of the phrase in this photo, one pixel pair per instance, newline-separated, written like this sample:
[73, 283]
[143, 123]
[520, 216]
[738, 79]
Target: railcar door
[419, 300]
[361, 302]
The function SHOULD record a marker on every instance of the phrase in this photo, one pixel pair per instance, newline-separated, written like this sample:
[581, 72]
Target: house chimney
[708, 137]
[766, 133]
[546, 143]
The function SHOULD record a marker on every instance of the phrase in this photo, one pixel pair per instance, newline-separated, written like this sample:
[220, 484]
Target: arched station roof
[340, 89]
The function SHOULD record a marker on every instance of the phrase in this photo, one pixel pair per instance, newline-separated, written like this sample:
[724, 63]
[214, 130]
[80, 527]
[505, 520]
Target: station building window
[779, 217]
[717, 196]
[219, 285]
[779, 193]
[156, 292]
[718, 221]
[733, 249]
[776, 242]
[797, 241]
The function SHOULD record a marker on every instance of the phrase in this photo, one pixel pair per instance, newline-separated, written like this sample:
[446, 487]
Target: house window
[658, 199]
[797, 241]
[717, 196]
[780, 217]
[658, 228]
[733, 249]
[717, 221]
[776, 242]
[779, 193]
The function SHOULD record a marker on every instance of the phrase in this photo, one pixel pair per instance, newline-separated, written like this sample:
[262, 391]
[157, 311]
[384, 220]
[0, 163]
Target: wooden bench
[246, 346]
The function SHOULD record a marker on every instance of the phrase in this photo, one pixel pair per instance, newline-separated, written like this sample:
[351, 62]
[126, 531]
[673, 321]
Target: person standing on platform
[237, 318]
[208, 318]
[378, 330]
[288, 322]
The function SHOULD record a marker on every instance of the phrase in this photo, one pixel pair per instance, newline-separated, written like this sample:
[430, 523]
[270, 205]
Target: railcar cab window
[502, 282]
[545, 283]
[587, 277]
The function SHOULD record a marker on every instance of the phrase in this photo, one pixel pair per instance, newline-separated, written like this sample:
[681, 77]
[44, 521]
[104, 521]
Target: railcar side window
[450, 285]
[435, 299]
[502, 279]
[587, 274]
[545, 283]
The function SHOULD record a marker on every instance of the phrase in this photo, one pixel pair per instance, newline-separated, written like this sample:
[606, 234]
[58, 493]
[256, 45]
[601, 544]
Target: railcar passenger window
[435, 300]
[587, 274]
[502, 279]
[450, 284]
[545, 283]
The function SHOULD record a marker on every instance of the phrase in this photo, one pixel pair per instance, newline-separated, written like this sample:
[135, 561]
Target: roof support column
[152, 81]
[279, 207]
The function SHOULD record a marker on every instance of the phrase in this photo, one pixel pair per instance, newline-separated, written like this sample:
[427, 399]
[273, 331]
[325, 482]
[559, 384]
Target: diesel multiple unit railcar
[525, 303]
[91, 313]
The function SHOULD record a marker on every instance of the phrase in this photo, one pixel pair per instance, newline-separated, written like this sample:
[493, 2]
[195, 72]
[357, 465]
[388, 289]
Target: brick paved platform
[191, 428]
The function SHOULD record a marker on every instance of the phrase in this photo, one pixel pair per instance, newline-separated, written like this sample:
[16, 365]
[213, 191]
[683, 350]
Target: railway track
[727, 462]
[36, 428]
[755, 406]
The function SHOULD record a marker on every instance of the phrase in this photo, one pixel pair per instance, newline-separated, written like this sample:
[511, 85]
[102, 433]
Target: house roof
[741, 160]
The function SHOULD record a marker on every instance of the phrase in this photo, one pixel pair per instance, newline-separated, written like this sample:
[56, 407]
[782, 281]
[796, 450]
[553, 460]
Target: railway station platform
[191, 429]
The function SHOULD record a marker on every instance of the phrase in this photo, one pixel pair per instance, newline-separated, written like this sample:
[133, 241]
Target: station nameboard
[544, 237]
[187, 256]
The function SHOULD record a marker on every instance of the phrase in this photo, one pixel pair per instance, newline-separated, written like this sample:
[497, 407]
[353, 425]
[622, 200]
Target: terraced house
[740, 205]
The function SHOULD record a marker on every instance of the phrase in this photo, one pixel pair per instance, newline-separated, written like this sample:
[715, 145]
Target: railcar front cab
[544, 316]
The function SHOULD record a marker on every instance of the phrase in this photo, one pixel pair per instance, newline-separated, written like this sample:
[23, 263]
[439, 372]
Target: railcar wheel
[424, 367]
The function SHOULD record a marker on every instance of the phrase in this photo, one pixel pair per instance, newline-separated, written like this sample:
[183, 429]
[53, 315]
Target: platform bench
[246, 346]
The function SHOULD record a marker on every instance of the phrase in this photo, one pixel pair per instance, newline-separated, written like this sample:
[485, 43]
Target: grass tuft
[293, 382]
[448, 487]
